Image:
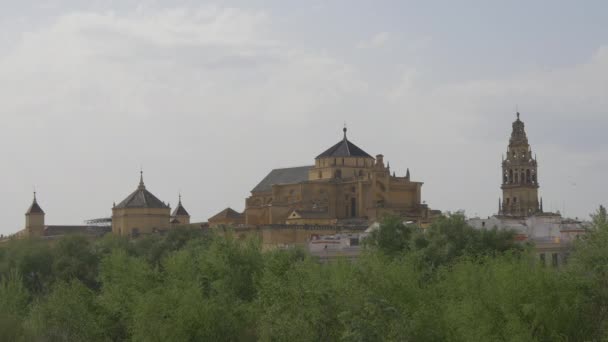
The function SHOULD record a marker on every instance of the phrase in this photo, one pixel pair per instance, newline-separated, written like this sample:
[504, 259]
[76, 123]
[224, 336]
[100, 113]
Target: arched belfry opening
[519, 175]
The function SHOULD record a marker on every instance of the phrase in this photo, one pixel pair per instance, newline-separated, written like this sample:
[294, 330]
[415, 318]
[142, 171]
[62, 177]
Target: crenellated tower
[519, 176]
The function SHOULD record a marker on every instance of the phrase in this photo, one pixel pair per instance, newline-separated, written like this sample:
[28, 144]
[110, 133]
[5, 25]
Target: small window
[554, 259]
[542, 259]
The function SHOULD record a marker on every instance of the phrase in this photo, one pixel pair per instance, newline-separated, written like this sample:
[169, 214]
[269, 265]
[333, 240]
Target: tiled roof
[34, 208]
[291, 175]
[141, 198]
[180, 210]
[344, 148]
[66, 230]
[227, 213]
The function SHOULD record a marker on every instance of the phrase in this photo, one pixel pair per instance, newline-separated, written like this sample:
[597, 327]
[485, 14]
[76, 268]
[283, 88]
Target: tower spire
[141, 179]
[519, 175]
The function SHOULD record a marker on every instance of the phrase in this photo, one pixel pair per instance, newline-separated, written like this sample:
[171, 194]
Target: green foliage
[124, 279]
[33, 259]
[68, 313]
[14, 299]
[448, 282]
[600, 219]
[508, 298]
[75, 259]
[589, 262]
[447, 239]
[392, 238]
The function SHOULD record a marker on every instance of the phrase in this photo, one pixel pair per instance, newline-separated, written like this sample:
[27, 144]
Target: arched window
[510, 175]
[338, 174]
[320, 174]
[528, 177]
[360, 173]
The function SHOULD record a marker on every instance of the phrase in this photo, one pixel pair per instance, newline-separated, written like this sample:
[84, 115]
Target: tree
[600, 219]
[124, 280]
[74, 258]
[589, 262]
[33, 260]
[68, 313]
[392, 238]
[14, 299]
[447, 239]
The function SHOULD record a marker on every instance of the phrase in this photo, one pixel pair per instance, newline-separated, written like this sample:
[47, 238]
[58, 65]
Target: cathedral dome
[344, 148]
[141, 198]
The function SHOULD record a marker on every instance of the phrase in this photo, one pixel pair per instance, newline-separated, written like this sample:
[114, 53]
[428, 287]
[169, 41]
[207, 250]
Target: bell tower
[519, 176]
[34, 219]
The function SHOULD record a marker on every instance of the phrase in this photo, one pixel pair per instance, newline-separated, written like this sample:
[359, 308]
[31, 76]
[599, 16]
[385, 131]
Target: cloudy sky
[209, 97]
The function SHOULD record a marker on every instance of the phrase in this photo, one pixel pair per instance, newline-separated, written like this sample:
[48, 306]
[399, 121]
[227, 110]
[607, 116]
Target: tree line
[448, 282]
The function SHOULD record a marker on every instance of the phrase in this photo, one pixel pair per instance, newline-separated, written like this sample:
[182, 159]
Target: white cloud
[209, 100]
[92, 96]
[377, 40]
[466, 126]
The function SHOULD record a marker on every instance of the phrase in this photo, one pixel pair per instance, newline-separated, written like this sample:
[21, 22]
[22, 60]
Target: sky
[208, 97]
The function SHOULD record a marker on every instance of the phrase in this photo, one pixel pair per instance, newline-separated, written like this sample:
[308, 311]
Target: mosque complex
[344, 190]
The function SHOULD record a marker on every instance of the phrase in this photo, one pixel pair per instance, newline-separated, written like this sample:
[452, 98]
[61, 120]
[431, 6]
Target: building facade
[140, 213]
[344, 184]
[36, 227]
[180, 215]
[519, 176]
[227, 217]
[520, 209]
